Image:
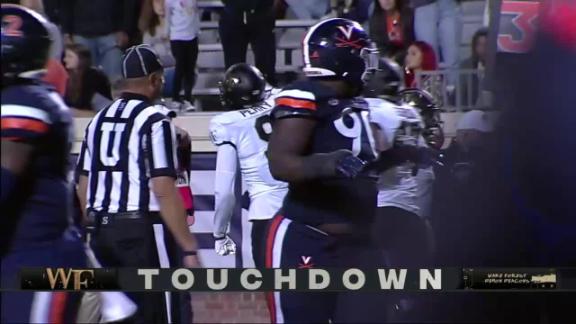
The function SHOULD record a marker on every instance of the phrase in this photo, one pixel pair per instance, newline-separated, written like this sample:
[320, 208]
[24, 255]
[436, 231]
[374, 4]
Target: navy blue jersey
[38, 211]
[342, 123]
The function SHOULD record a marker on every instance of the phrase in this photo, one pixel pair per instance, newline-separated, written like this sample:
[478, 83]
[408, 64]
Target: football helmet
[26, 41]
[339, 48]
[243, 86]
[385, 82]
[426, 105]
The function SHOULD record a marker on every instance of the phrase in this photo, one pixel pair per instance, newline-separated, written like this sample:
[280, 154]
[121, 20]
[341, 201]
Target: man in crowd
[249, 22]
[242, 137]
[103, 26]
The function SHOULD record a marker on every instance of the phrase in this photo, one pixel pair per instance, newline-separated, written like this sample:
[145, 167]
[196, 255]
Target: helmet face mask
[371, 58]
[427, 106]
[386, 81]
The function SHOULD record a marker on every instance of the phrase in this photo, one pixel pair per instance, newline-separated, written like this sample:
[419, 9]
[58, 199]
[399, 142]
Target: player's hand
[347, 164]
[191, 261]
[224, 246]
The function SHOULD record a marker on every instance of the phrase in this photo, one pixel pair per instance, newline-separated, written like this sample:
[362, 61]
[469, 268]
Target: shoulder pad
[294, 103]
[220, 128]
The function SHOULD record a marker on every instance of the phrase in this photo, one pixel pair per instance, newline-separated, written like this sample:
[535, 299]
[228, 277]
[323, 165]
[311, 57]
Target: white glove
[224, 246]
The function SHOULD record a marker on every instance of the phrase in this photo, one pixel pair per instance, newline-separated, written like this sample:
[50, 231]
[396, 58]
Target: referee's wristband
[187, 253]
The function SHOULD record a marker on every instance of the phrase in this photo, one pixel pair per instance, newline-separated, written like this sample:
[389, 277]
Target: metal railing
[454, 89]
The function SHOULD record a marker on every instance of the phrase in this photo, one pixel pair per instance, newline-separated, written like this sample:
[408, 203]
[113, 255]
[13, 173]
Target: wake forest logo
[61, 277]
[68, 279]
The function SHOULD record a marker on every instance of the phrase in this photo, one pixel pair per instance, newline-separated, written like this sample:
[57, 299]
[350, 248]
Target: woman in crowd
[392, 27]
[470, 83]
[183, 22]
[420, 57]
[152, 25]
[88, 88]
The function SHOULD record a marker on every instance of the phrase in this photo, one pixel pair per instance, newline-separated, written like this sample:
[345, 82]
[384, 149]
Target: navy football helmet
[26, 41]
[243, 86]
[339, 48]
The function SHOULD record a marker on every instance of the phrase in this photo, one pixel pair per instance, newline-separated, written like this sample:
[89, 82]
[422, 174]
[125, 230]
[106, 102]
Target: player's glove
[224, 246]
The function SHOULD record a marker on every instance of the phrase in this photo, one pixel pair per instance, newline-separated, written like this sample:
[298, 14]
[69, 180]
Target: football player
[36, 192]
[242, 139]
[320, 141]
[401, 227]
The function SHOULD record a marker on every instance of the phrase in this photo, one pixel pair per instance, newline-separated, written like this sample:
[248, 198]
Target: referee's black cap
[140, 61]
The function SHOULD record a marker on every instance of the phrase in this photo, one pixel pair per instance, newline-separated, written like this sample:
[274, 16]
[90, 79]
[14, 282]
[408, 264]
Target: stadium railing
[454, 89]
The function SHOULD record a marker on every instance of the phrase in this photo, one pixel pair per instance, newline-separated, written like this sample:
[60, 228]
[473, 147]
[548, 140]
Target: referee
[127, 168]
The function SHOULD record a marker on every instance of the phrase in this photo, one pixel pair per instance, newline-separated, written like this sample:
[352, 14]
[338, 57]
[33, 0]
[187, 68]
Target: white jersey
[397, 186]
[242, 137]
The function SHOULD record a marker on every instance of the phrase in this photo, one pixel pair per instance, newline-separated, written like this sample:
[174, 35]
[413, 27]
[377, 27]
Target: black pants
[115, 246]
[406, 241]
[238, 29]
[186, 54]
[258, 235]
[405, 237]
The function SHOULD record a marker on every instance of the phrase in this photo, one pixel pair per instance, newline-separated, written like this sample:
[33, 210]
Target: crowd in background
[421, 35]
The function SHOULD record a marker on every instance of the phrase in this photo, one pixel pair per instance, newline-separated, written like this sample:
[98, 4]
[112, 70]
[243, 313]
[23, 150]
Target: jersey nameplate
[253, 110]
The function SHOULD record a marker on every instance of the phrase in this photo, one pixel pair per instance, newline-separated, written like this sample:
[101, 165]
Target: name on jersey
[253, 110]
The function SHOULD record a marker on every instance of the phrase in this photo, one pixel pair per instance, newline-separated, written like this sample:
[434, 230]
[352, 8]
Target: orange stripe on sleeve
[296, 103]
[24, 124]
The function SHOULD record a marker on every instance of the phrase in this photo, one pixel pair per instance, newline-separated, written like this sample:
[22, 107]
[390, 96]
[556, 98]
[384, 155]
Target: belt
[103, 218]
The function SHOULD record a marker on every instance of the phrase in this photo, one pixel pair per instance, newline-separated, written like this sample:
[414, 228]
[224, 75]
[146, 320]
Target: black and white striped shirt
[125, 145]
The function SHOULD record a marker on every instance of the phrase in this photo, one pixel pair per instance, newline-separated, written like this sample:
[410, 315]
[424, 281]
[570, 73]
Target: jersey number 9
[264, 127]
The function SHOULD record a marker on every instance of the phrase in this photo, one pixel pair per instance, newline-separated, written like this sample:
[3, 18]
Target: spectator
[103, 26]
[392, 27]
[183, 23]
[438, 23]
[308, 9]
[477, 61]
[152, 25]
[249, 22]
[419, 57]
[357, 10]
[88, 89]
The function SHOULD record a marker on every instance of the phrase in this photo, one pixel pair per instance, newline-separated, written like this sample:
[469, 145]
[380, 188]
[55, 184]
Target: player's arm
[22, 128]
[224, 186]
[161, 155]
[224, 193]
[294, 123]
